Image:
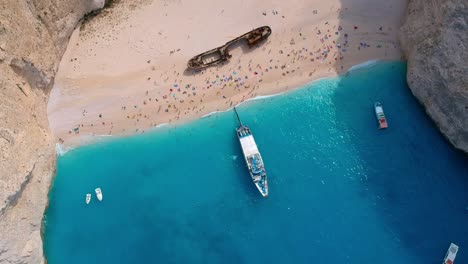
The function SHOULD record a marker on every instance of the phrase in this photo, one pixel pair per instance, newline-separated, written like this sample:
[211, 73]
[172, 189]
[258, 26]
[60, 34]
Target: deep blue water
[341, 191]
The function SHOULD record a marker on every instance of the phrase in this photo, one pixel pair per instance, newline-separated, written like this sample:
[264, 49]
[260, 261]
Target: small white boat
[451, 254]
[379, 114]
[88, 198]
[99, 194]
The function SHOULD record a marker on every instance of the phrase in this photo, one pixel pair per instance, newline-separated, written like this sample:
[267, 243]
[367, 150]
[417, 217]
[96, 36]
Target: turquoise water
[341, 191]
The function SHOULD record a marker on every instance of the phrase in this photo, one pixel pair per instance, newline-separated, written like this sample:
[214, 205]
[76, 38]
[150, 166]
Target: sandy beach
[124, 72]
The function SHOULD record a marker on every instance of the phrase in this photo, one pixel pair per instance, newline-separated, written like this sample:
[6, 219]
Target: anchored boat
[451, 254]
[379, 114]
[252, 157]
[98, 194]
[88, 198]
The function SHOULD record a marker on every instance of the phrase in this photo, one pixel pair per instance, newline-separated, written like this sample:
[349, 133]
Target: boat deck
[252, 157]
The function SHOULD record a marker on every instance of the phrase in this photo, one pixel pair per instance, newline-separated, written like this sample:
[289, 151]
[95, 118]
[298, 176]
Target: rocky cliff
[435, 40]
[33, 37]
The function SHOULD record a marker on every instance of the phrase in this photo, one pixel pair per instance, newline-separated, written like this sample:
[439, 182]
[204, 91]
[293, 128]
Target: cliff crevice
[12, 200]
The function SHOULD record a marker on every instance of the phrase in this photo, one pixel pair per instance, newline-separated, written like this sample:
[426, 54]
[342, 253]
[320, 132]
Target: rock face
[434, 38]
[33, 37]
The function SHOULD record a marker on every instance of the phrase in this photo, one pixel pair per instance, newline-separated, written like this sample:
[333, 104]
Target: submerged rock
[434, 37]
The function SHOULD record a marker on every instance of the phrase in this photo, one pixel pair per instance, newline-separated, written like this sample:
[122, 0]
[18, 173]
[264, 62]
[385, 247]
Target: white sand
[117, 73]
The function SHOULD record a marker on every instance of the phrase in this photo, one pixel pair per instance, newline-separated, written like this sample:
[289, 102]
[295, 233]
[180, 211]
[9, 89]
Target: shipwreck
[221, 54]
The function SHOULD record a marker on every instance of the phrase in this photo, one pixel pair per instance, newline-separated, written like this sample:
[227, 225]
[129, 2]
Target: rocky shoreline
[33, 37]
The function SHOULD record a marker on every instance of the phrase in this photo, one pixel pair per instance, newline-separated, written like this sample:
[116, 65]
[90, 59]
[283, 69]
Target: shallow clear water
[341, 191]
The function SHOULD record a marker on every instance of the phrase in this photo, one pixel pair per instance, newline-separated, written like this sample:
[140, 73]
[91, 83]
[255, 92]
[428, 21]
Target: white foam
[83, 140]
[215, 112]
[155, 127]
[212, 113]
[318, 80]
[161, 125]
[261, 97]
[61, 150]
[365, 64]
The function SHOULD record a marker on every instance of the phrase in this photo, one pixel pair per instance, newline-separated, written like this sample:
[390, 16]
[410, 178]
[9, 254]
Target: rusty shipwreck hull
[221, 54]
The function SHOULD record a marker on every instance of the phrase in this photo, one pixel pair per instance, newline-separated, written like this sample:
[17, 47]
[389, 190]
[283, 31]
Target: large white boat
[379, 114]
[252, 157]
[451, 254]
[88, 198]
[98, 193]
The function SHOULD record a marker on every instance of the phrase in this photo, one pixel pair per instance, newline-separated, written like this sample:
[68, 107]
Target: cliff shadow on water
[414, 180]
